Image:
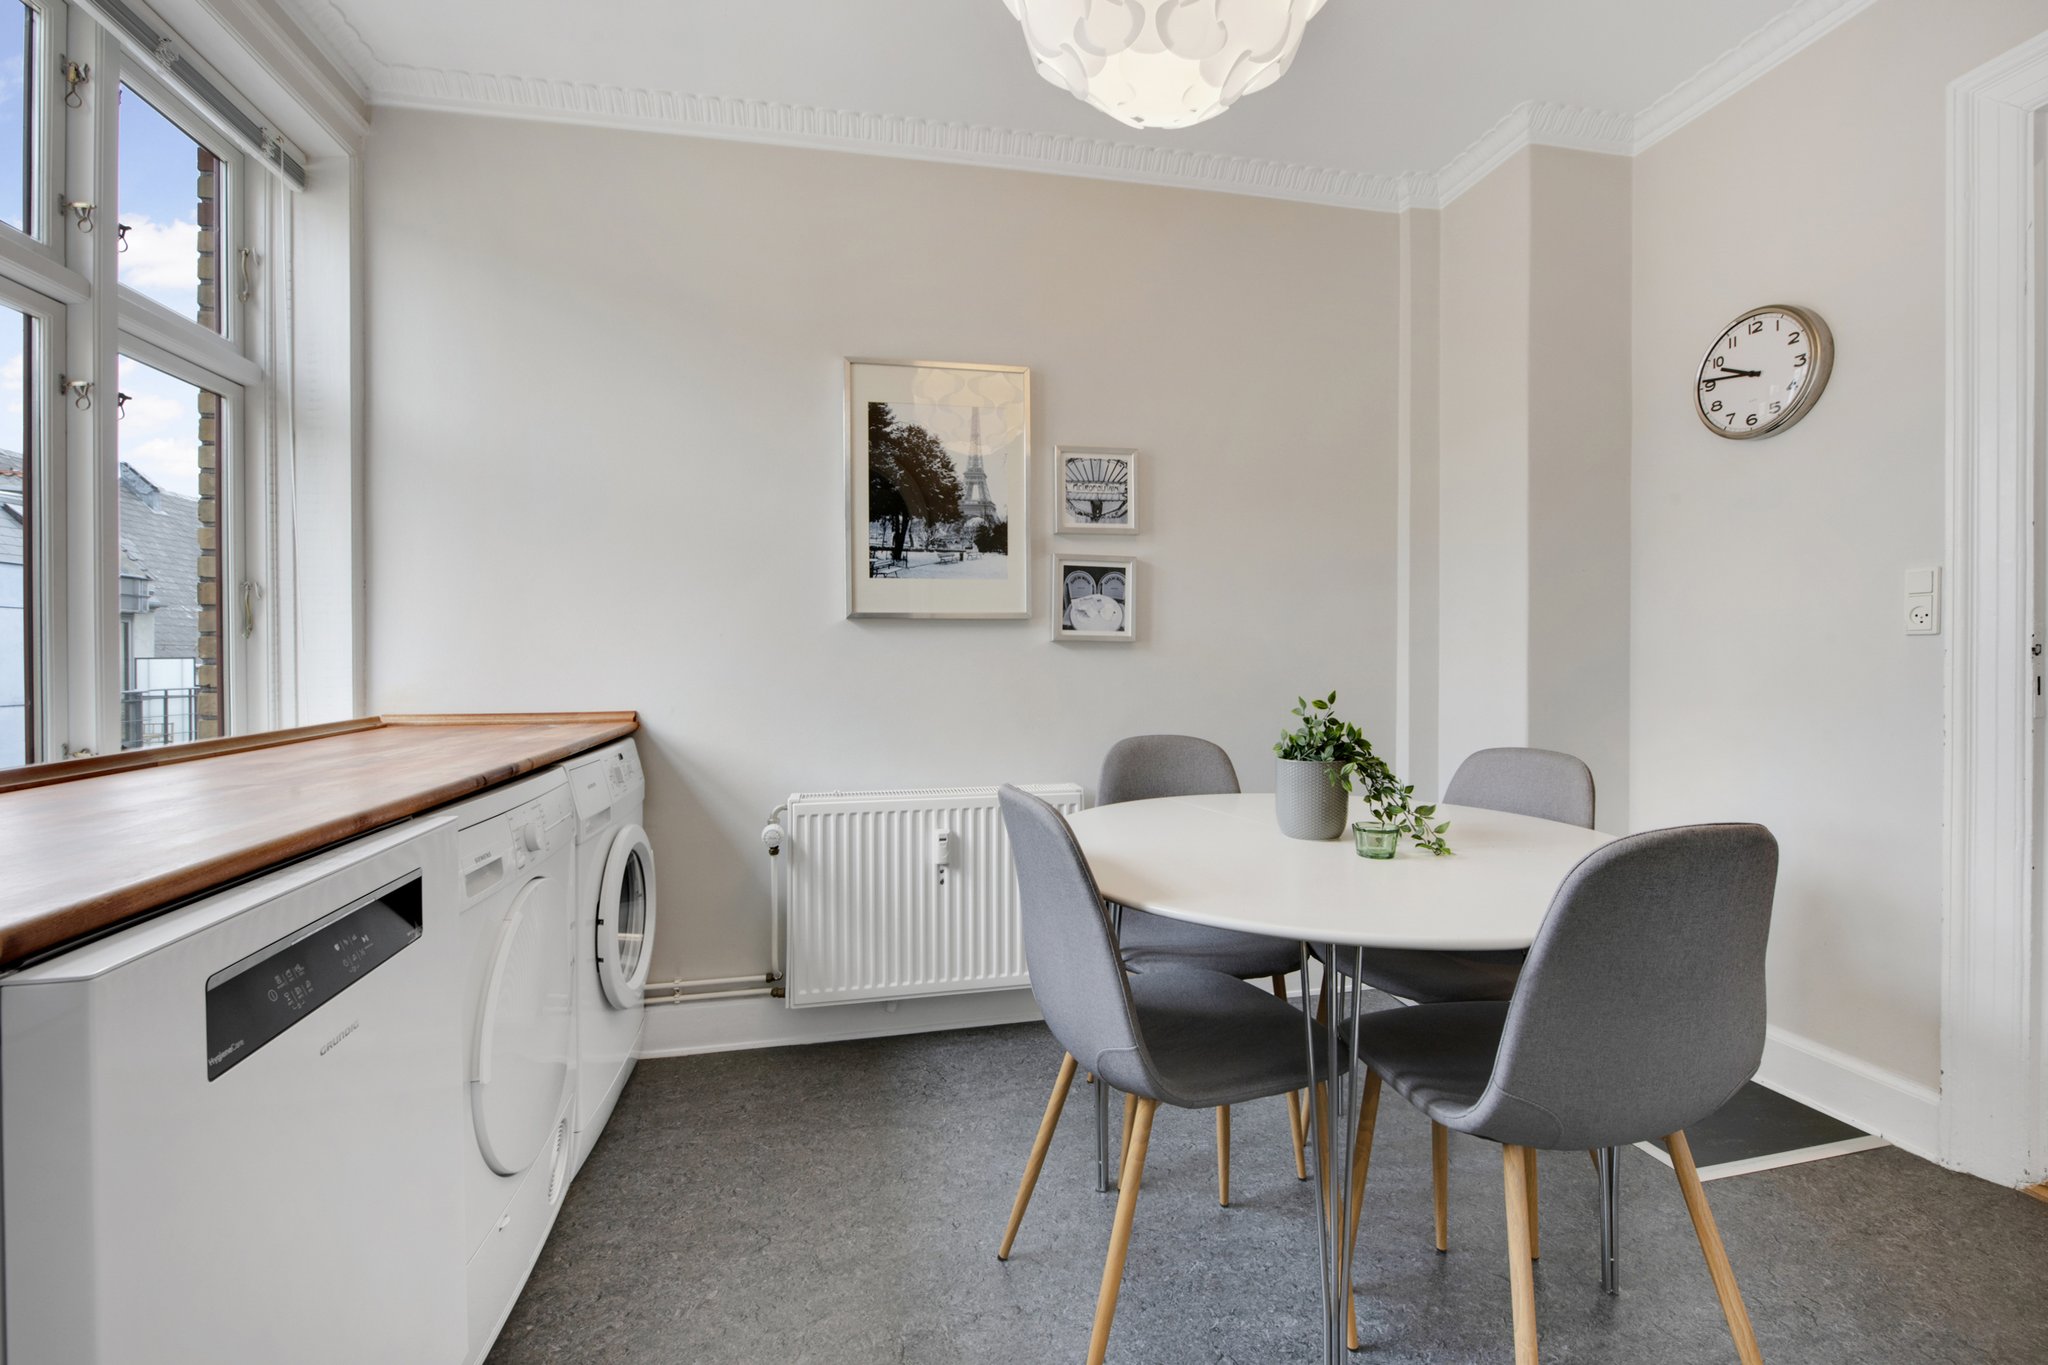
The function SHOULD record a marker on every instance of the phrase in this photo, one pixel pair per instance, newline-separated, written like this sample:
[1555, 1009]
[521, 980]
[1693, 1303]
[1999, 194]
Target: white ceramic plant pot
[1308, 804]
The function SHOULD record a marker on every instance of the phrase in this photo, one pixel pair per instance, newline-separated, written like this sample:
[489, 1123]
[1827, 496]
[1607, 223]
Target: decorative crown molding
[1531, 123]
[1778, 40]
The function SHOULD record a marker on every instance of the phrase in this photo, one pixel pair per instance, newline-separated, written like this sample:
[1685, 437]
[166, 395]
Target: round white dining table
[1222, 861]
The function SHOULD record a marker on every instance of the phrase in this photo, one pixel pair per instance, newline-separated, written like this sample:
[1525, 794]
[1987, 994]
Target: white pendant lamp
[1162, 63]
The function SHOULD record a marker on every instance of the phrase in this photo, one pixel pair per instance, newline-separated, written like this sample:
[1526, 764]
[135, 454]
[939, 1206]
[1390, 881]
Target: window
[127, 499]
[169, 511]
[15, 622]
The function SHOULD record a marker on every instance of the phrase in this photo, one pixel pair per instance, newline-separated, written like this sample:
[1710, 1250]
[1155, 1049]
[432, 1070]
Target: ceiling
[1389, 100]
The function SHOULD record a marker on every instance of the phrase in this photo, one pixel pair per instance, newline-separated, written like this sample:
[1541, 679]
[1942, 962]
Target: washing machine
[232, 1133]
[614, 929]
[515, 857]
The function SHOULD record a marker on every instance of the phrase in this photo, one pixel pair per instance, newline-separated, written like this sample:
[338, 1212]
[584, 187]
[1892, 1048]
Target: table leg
[1104, 1180]
[1336, 1049]
[1610, 1225]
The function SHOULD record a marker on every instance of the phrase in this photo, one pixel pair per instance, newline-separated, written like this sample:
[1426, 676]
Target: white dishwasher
[232, 1133]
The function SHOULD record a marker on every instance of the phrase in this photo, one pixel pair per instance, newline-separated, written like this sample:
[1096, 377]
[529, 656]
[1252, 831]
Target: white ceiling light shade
[1163, 63]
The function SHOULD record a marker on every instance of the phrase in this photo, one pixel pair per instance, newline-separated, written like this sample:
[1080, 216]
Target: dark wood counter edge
[140, 900]
[71, 769]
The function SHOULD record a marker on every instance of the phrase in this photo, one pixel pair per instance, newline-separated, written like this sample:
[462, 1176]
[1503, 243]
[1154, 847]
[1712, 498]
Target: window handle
[251, 590]
[248, 265]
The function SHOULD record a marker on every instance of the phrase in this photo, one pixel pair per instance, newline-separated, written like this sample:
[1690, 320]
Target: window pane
[16, 543]
[167, 194]
[17, 88]
[170, 559]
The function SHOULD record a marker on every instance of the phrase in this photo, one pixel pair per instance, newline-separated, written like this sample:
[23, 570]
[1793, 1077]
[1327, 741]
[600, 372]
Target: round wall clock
[1764, 372]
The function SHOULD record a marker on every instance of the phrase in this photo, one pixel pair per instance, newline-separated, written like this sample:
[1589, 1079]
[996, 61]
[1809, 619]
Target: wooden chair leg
[1223, 1155]
[1295, 1099]
[1038, 1149]
[1361, 1161]
[1535, 1244]
[1120, 1230]
[1124, 1141]
[1440, 1178]
[1521, 1263]
[1717, 1255]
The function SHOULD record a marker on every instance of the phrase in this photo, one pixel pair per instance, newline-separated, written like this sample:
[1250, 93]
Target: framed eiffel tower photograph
[937, 477]
[1098, 492]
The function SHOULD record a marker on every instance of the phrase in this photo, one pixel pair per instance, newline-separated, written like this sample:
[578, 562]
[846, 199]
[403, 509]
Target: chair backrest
[1145, 766]
[1641, 1009]
[1539, 782]
[1076, 972]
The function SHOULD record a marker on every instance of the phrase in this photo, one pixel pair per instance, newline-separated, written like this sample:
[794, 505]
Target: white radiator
[893, 894]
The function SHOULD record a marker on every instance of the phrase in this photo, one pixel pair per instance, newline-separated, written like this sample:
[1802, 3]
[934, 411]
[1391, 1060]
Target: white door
[519, 1053]
[625, 918]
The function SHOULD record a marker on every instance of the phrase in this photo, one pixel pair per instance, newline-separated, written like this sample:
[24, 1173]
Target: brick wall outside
[208, 672]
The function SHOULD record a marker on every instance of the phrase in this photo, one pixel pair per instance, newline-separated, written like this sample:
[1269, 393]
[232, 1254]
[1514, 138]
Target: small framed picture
[1097, 597]
[1098, 492]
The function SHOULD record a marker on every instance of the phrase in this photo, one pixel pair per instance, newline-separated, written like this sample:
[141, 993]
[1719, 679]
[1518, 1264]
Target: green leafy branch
[1323, 738]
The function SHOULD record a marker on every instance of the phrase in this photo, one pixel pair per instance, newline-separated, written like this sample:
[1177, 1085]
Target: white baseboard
[690, 1027]
[1904, 1113]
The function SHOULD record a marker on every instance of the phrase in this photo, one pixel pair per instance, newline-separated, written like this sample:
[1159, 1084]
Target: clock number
[1777, 407]
[1799, 359]
[1731, 419]
[1716, 406]
[1720, 362]
[1756, 325]
[1709, 385]
[1792, 340]
[1749, 421]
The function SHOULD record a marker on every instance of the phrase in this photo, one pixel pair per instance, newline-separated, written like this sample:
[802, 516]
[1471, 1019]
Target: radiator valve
[942, 852]
[771, 838]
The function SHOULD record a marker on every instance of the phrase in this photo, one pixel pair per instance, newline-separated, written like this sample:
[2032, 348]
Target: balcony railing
[159, 715]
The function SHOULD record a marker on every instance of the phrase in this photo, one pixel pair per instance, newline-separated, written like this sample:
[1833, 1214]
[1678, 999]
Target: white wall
[605, 463]
[1772, 677]
[1483, 469]
[1532, 504]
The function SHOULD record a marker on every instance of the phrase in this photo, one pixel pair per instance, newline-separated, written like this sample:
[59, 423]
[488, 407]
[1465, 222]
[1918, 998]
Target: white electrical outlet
[1923, 601]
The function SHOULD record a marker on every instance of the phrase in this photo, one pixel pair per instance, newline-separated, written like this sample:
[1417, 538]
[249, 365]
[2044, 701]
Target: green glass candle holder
[1375, 841]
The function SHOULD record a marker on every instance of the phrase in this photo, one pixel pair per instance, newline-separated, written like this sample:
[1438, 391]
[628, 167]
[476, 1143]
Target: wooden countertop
[88, 844]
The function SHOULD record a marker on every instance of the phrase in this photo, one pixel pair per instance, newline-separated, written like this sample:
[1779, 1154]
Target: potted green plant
[1321, 761]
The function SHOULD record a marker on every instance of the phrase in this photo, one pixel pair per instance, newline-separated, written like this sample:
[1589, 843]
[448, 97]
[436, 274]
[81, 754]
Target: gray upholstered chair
[1140, 769]
[1535, 782]
[1186, 1037]
[1640, 1012]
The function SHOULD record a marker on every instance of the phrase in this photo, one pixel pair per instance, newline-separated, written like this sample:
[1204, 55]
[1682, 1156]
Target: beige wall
[1532, 507]
[1772, 677]
[1483, 467]
[605, 464]
[1418, 605]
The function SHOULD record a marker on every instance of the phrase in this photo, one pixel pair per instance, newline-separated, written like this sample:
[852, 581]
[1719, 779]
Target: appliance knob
[533, 837]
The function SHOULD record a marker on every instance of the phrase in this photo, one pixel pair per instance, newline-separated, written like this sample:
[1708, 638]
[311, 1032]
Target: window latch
[78, 390]
[80, 209]
[75, 74]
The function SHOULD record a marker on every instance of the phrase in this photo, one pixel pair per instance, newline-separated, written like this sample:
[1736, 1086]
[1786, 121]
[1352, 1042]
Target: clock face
[1763, 373]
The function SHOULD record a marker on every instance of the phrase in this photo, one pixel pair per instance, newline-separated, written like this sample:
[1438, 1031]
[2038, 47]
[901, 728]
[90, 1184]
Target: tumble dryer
[515, 858]
[614, 928]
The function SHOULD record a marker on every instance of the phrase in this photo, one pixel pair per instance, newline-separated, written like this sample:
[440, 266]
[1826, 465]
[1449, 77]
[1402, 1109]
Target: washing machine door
[625, 918]
[519, 1054]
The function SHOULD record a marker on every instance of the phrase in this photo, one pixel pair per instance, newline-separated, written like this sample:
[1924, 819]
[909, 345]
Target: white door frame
[1992, 1047]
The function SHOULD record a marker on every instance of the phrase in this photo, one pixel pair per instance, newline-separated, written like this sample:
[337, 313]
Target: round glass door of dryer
[625, 918]
[519, 1052]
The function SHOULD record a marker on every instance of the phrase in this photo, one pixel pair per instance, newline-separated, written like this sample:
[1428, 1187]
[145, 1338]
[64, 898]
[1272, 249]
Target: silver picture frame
[1097, 476]
[906, 595]
[1110, 577]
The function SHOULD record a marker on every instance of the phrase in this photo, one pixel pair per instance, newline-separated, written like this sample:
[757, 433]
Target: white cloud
[162, 261]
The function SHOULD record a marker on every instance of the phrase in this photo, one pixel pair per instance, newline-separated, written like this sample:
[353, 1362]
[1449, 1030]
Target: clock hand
[1732, 374]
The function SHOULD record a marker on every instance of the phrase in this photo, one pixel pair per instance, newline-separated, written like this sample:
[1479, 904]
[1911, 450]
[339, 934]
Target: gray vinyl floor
[842, 1203]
